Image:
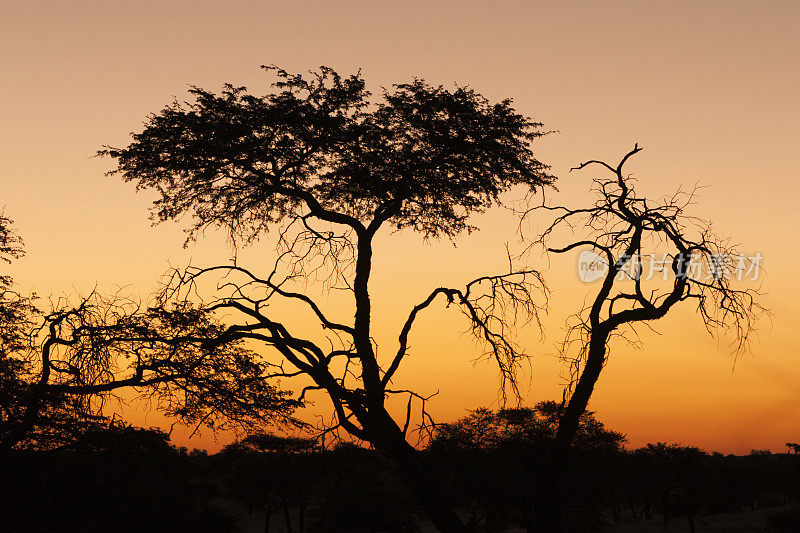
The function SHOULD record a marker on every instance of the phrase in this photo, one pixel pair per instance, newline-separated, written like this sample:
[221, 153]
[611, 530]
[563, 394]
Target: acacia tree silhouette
[621, 228]
[58, 367]
[328, 167]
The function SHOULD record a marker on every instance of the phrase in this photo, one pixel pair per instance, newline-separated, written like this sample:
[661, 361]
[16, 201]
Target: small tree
[677, 479]
[75, 357]
[621, 228]
[57, 367]
[329, 167]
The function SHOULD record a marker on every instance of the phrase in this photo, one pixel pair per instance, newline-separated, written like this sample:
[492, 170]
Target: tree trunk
[441, 516]
[548, 516]
[267, 515]
[287, 516]
[389, 439]
[301, 516]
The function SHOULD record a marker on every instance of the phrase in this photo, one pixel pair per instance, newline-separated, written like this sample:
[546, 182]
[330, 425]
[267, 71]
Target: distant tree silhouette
[677, 477]
[533, 426]
[275, 473]
[492, 459]
[621, 227]
[327, 167]
[58, 366]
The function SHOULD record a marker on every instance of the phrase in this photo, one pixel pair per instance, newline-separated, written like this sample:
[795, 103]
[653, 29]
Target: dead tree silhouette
[621, 228]
[329, 168]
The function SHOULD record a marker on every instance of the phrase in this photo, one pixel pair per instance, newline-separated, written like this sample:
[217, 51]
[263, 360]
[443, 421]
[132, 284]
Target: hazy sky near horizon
[710, 89]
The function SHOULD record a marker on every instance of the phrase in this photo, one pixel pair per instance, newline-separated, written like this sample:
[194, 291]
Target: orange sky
[710, 90]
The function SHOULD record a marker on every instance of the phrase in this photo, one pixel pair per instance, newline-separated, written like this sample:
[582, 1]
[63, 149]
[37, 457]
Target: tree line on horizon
[487, 464]
[322, 167]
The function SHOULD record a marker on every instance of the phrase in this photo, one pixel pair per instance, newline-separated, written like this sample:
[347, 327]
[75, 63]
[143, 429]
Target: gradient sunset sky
[710, 89]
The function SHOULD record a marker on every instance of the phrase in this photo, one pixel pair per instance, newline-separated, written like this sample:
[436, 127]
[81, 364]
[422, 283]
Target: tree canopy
[419, 156]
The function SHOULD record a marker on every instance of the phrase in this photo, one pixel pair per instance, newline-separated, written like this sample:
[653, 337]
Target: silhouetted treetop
[533, 427]
[270, 443]
[14, 308]
[10, 242]
[318, 145]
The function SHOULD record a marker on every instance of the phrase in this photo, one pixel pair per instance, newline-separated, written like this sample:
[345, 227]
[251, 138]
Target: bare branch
[626, 228]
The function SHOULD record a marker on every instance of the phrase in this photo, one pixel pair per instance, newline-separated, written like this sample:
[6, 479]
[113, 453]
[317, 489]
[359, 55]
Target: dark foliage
[347, 488]
[495, 462]
[116, 478]
[121, 478]
[420, 156]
